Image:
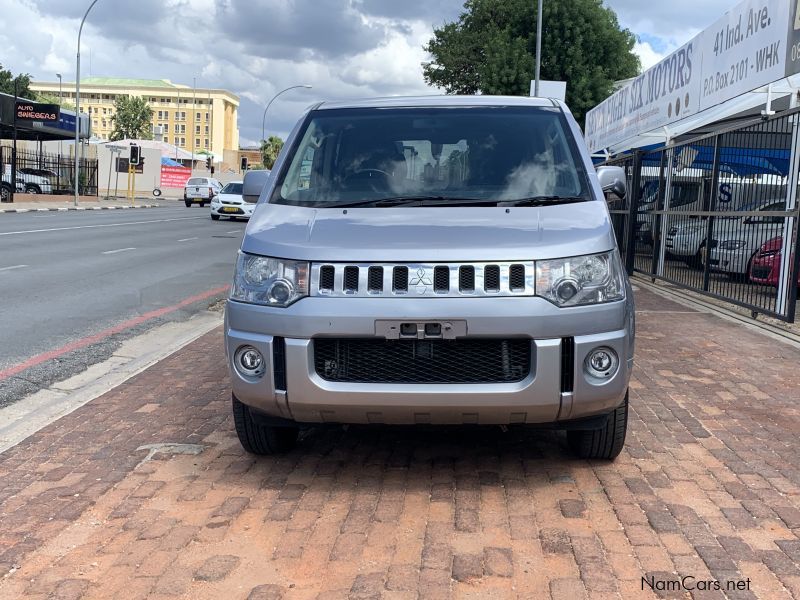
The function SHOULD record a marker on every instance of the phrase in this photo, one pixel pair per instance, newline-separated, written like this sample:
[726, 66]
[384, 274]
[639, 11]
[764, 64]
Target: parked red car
[765, 268]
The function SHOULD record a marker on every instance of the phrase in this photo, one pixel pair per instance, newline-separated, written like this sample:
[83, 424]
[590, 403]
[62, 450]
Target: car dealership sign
[745, 49]
[35, 111]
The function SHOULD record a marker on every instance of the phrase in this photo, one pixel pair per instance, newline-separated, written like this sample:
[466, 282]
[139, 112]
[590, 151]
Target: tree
[270, 150]
[132, 119]
[492, 49]
[7, 83]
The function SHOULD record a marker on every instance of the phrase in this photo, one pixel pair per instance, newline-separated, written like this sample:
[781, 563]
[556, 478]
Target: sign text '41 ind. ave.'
[743, 50]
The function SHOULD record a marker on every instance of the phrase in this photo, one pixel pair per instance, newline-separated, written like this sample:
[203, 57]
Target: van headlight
[580, 280]
[269, 281]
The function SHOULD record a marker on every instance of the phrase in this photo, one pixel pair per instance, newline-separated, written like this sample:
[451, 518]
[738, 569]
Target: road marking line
[13, 267]
[98, 337]
[234, 231]
[188, 239]
[97, 226]
[118, 250]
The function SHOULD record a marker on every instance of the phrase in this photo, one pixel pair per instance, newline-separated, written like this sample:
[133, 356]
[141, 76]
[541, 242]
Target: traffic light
[243, 166]
[136, 154]
[208, 164]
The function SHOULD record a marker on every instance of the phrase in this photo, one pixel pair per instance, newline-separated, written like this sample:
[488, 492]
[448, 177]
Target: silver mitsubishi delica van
[437, 260]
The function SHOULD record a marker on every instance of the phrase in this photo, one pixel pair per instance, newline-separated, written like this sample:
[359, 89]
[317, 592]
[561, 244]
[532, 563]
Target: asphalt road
[66, 276]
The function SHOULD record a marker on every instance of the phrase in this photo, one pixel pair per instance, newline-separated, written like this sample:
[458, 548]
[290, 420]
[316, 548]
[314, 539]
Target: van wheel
[261, 439]
[215, 217]
[606, 442]
[187, 203]
[32, 189]
[5, 193]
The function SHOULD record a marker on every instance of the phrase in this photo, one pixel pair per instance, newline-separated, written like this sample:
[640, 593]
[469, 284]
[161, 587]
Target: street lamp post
[538, 48]
[78, 100]
[60, 103]
[264, 118]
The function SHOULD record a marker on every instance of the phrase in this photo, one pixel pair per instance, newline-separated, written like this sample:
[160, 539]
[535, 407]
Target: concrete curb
[66, 208]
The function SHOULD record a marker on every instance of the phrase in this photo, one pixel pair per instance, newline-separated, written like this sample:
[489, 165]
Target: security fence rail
[718, 214]
[43, 173]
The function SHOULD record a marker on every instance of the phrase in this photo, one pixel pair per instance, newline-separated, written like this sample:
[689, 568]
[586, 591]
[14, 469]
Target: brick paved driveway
[707, 487]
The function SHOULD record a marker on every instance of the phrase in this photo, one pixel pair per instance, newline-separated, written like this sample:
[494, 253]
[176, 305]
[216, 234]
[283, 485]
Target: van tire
[606, 442]
[5, 193]
[215, 217]
[32, 189]
[188, 203]
[261, 439]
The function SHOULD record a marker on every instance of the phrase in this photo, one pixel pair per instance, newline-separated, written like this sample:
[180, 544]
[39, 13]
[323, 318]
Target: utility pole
[538, 48]
[60, 104]
[78, 102]
[193, 126]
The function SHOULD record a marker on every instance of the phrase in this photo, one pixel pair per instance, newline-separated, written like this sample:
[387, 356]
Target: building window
[183, 141]
[166, 139]
[206, 117]
[183, 128]
[197, 129]
[196, 142]
[166, 127]
[205, 143]
[197, 117]
[206, 129]
[183, 115]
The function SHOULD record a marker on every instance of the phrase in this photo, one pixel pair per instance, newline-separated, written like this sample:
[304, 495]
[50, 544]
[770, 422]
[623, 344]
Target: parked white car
[686, 236]
[230, 203]
[200, 190]
[734, 245]
[27, 182]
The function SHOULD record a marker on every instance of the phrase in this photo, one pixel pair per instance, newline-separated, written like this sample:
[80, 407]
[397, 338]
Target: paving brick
[498, 562]
[572, 509]
[267, 591]
[467, 567]
[217, 567]
[707, 485]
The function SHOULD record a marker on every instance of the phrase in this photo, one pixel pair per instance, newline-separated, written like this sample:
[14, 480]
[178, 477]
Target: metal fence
[42, 173]
[718, 214]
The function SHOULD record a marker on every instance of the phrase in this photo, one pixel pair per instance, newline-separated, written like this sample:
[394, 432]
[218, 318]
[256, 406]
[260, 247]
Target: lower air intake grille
[279, 363]
[422, 361]
[326, 277]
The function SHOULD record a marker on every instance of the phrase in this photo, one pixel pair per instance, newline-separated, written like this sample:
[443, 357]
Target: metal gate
[718, 214]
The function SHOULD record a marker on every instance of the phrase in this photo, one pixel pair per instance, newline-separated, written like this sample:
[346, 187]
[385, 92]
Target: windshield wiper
[542, 201]
[415, 200]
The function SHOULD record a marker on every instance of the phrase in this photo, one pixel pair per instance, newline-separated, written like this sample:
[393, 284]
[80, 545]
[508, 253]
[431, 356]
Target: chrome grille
[423, 279]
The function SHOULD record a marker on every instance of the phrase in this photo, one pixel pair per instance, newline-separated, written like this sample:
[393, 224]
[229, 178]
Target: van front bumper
[285, 338]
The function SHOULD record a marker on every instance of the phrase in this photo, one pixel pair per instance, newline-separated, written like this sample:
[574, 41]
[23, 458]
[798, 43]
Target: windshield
[233, 188]
[473, 153]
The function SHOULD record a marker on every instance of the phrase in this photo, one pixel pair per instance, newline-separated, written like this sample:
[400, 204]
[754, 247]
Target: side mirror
[612, 180]
[253, 184]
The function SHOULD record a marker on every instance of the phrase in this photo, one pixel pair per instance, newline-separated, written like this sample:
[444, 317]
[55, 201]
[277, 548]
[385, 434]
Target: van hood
[428, 234]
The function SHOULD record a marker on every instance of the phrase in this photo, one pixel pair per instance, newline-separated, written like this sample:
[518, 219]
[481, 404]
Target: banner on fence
[174, 177]
[743, 50]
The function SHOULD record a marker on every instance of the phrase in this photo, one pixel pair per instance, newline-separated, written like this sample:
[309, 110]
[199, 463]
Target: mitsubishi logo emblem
[421, 281]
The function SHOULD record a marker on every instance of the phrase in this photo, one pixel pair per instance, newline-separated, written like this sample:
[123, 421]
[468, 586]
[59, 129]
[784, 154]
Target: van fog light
[601, 363]
[249, 362]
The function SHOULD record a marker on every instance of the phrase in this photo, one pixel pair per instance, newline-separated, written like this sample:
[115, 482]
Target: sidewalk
[85, 203]
[708, 487]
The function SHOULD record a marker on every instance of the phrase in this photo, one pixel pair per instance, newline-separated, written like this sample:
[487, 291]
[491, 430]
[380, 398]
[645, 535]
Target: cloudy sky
[343, 48]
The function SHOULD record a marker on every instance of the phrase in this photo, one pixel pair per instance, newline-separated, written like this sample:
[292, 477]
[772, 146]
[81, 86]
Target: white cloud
[255, 48]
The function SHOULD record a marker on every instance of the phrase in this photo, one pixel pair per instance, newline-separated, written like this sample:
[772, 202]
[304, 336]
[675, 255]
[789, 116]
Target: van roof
[436, 100]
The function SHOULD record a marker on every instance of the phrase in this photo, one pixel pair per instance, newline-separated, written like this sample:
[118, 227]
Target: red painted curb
[98, 337]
